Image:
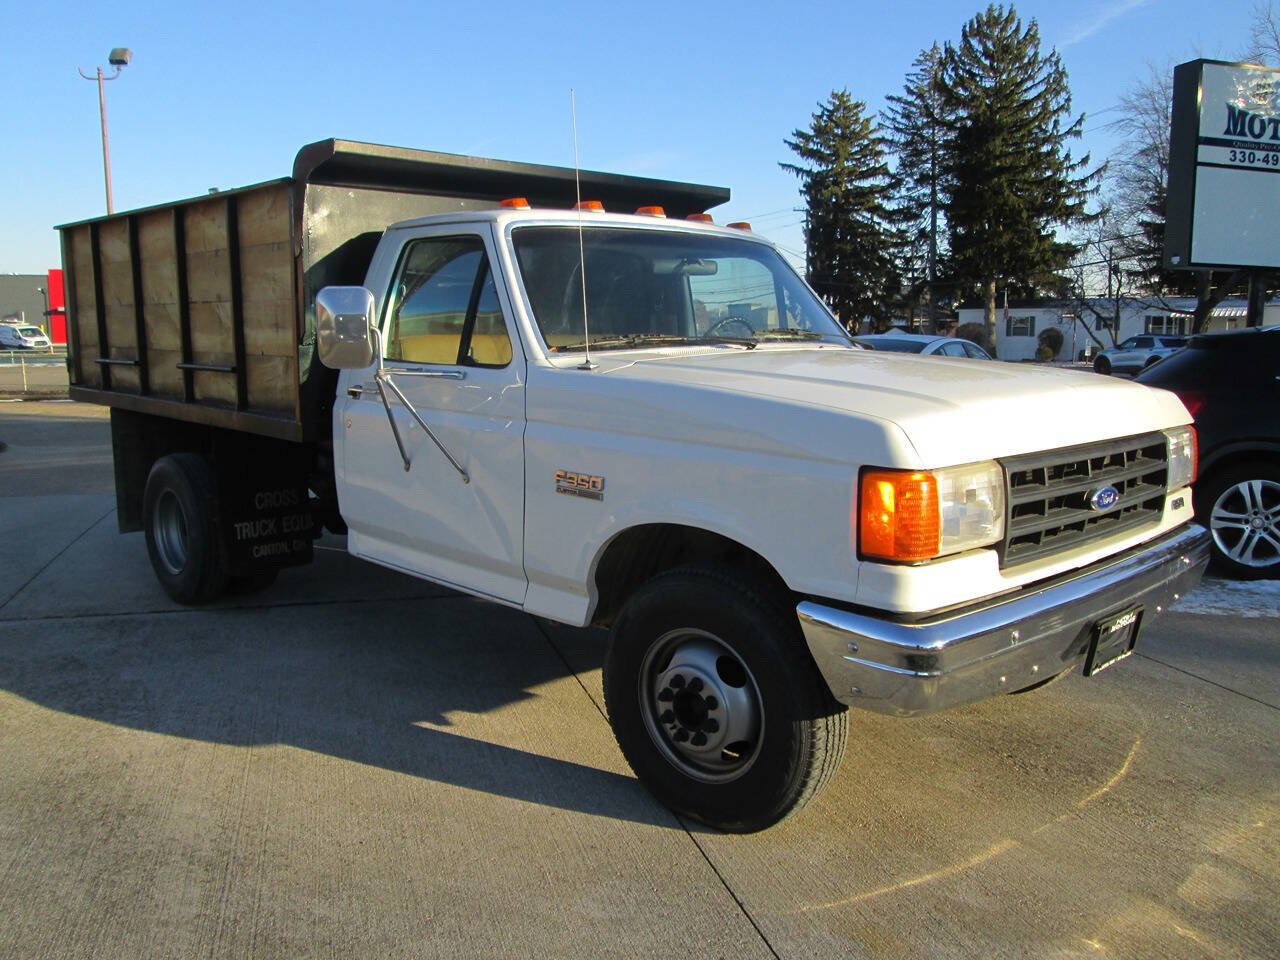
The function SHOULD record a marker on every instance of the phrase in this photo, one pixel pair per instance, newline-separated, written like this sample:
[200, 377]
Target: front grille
[1047, 495]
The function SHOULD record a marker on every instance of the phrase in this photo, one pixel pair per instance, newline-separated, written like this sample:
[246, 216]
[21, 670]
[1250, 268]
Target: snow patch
[1233, 598]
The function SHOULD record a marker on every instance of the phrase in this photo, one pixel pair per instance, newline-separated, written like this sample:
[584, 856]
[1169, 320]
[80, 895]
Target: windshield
[898, 346]
[31, 331]
[650, 286]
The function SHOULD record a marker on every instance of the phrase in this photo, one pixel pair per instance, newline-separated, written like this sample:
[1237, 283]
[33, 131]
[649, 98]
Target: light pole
[47, 322]
[118, 57]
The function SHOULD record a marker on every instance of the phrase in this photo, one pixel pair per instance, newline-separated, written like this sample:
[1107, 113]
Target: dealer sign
[1223, 206]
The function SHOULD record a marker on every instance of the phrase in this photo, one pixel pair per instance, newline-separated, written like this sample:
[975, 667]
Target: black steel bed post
[71, 311]
[184, 307]
[104, 352]
[135, 263]
[237, 301]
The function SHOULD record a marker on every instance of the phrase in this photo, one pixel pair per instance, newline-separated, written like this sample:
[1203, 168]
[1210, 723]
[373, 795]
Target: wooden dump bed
[202, 310]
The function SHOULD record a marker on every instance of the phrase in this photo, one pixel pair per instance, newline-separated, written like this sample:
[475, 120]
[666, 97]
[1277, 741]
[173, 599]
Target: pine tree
[851, 233]
[1010, 177]
[913, 122]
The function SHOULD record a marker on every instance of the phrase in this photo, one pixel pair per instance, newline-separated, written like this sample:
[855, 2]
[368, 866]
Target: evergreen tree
[1009, 175]
[851, 234]
[913, 122]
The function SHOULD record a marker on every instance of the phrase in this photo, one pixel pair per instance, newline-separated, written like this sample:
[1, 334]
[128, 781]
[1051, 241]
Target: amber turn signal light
[515, 203]
[899, 517]
[651, 211]
[593, 205]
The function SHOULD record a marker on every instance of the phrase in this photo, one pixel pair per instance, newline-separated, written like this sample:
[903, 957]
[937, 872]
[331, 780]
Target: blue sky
[224, 95]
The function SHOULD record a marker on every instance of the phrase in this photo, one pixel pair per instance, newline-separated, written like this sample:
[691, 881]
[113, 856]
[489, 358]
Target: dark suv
[1230, 382]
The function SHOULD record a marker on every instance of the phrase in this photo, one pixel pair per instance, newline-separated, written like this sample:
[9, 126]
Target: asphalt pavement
[355, 764]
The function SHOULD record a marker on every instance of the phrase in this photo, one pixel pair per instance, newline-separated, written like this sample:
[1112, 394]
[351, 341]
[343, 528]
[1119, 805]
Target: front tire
[1102, 365]
[716, 703]
[1241, 507]
[179, 510]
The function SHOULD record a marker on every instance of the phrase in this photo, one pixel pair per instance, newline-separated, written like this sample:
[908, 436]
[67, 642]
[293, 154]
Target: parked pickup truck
[638, 420]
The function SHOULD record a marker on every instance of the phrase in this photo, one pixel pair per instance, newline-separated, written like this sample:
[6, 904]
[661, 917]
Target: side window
[1129, 344]
[445, 308]
[952, 349]
[974, 352]
[489, 345]
[1145, 343]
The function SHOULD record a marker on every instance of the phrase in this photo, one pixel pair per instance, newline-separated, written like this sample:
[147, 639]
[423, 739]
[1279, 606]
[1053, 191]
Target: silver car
[923, 344]
[1137, 353]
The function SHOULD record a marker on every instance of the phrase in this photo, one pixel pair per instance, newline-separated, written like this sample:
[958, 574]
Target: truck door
[447, 345]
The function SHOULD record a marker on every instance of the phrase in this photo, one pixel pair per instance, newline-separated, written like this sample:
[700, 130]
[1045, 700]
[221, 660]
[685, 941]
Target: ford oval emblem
[1104, 498]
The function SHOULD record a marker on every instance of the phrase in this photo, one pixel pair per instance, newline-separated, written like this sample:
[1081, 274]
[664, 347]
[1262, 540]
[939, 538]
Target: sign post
[1223, 203]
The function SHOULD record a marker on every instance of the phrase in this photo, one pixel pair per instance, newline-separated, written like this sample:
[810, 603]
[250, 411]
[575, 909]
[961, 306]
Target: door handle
[432, 374]
[355, 392]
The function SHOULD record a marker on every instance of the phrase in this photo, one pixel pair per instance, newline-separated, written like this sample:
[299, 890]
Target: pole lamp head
[120, 57]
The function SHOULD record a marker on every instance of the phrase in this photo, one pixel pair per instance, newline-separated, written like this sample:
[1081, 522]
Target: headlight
[921, 514]
[1182, 457]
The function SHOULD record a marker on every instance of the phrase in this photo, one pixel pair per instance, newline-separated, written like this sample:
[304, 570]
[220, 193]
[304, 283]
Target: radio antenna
[582, 257]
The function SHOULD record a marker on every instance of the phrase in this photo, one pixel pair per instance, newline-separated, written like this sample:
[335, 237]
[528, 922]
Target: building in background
[1016, 336]
[37, 299]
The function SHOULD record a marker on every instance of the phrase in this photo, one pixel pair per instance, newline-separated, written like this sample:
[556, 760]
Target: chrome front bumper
[998, 646]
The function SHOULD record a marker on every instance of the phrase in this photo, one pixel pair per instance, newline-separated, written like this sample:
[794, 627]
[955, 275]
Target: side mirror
[342, 327]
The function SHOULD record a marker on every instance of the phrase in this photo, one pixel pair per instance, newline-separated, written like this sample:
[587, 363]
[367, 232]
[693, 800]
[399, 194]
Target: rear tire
[1102, 365]
[179, 510]
[715, 700]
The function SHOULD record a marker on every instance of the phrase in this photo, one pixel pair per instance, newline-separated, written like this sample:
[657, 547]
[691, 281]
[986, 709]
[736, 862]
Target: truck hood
[951, 410]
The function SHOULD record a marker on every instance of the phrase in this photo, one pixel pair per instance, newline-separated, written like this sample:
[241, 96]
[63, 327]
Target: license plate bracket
[1113, 639]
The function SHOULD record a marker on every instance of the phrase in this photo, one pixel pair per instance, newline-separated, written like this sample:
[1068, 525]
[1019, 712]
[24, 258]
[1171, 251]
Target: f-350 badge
[580, 484]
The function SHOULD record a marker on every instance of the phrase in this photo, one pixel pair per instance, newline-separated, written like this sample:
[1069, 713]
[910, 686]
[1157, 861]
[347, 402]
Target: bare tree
[1264, 35]
[1102, 279]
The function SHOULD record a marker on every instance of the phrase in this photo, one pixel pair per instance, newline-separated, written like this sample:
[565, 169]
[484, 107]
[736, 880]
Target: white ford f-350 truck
[773, 523]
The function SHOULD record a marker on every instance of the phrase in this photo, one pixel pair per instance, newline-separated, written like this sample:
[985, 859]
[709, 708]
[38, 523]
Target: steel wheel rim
[701, 705]
[1245, 523]
[169, 529]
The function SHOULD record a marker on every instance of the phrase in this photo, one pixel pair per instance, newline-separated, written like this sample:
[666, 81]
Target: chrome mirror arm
[382, 377]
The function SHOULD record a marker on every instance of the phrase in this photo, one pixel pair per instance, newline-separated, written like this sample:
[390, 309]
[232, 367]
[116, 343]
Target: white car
[22, 336]
[923, 344]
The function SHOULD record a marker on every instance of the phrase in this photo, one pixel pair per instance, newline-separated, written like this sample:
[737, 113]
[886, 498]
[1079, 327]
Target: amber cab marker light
[700, 218]
[594, 206]
[739, 225]
[654, 211]
[515, 203]
[899, 515]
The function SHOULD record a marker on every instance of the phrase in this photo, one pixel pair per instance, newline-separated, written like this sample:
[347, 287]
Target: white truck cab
[652, 424]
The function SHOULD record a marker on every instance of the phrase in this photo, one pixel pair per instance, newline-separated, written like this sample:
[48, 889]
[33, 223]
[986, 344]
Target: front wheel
[1102, 365]
[716, 703]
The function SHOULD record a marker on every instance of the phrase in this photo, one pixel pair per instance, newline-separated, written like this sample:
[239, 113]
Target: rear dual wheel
[716, 703]
[179, 511]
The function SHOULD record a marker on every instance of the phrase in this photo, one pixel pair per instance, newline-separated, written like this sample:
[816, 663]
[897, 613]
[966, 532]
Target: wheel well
[1227, 461]
[1235, 457]
[640, 553]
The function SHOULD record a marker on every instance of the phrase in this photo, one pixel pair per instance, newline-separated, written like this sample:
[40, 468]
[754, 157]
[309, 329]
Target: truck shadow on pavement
[450, 689]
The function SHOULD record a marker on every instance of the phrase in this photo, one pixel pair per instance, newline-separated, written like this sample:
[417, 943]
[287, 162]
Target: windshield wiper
[654, 339]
